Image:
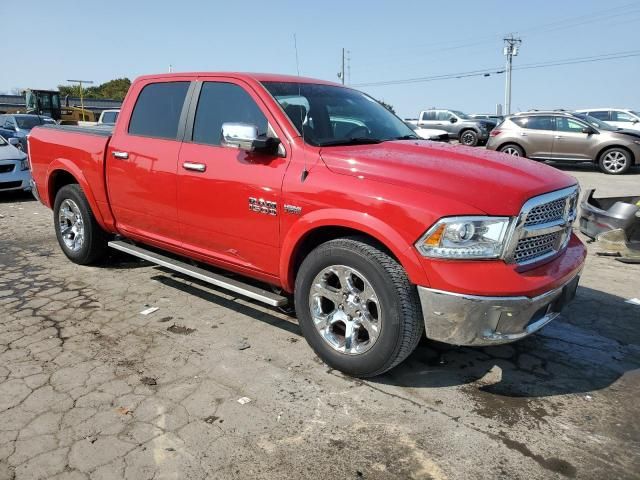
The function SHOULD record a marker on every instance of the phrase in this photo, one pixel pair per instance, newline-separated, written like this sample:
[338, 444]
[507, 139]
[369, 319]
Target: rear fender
[65, 165]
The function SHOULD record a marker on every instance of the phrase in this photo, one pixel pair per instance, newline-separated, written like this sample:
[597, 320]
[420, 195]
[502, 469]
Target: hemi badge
[293, 209]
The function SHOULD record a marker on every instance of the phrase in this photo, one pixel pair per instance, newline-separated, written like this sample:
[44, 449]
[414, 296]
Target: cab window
[157, 111]
[600, 115]
[220, 103]
[537, 122]
[430, 115]
[622, 117]
[564, 124]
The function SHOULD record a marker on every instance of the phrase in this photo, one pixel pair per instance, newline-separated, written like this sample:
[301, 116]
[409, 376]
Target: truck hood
[492, 182]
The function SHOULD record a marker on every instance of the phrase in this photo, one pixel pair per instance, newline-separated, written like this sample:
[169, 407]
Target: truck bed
[72, 149]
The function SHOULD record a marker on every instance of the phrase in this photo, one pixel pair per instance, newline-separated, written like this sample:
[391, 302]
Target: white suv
[617, 117]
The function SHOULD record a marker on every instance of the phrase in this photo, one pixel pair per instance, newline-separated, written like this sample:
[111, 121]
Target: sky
[386, 40]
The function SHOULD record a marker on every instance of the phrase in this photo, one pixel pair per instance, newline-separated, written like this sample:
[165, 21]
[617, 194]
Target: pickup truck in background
[468, 131]
[316, 194]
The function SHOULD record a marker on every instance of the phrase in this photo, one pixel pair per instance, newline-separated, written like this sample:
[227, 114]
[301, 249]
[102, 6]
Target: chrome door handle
[120, 155]
[196, 167]
[523, 134]
[558, 136]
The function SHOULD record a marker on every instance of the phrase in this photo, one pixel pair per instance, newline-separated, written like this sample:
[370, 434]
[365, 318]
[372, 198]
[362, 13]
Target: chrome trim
[34, 190]
[520, 231]
[462, 319]
[196, 167]
[221, 281]
[120, 155]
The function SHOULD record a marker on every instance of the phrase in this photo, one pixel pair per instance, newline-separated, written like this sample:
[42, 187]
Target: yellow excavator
[47, 102]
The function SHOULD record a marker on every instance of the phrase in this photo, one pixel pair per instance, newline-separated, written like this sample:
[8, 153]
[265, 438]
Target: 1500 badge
[260, 205]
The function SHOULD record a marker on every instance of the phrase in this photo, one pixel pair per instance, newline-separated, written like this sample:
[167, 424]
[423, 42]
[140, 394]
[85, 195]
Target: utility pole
[511, 48]
[341, 72]
[80, 82]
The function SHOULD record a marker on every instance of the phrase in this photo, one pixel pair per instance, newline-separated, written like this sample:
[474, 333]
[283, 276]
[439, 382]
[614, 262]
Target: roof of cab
[258, 77]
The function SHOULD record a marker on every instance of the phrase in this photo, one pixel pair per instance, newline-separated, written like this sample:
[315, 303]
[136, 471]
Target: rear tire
[80, 237]
[513, 150]
[615, 161]
[357, 308]
[469, 138]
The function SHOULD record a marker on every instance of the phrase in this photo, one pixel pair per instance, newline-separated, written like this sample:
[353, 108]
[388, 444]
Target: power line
[500, 70]
[596, 16]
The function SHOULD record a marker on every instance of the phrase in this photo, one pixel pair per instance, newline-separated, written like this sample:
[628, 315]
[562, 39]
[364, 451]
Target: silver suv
[564, 136]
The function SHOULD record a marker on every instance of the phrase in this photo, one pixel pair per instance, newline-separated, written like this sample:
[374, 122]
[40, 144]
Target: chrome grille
[543, 227]
[530, 248]
[548, 212]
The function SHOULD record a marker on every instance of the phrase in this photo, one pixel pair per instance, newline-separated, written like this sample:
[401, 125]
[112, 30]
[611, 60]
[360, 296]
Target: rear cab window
[158, 110]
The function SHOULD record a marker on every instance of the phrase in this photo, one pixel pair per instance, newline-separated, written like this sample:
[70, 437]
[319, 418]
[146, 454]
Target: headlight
[465, 238]
[24, 164]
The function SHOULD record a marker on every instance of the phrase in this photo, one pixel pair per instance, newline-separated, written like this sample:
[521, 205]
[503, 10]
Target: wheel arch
[65, 173]
[303, 237]
[511, 142]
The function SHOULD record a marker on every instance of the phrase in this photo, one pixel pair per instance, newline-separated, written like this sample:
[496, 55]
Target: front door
[229, 200]
[570, 142]
[142, 161]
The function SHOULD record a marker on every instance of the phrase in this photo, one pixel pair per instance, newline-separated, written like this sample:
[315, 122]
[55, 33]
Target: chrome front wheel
[71, 225]
[345, 309]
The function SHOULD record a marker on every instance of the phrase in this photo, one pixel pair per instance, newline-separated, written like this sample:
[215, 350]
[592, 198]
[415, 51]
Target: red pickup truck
[315, 194]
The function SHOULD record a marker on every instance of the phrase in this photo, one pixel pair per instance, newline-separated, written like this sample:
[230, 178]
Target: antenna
[305, 172]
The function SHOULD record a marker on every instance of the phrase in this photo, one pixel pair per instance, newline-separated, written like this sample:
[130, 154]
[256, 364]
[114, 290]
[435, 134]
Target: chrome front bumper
[461, 319]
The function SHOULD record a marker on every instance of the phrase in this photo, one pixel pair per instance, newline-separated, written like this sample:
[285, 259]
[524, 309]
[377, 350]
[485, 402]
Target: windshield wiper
[351, 141]
[404, 137]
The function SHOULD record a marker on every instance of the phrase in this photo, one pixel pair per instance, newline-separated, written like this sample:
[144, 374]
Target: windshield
[459, 114]
[595, 122]
[332, 115]
[28, 122]
[636, 113]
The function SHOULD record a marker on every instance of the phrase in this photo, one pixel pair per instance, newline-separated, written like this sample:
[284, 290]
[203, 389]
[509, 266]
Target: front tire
[81, 238]
[469, 138]
[357, 308]
[615, 161]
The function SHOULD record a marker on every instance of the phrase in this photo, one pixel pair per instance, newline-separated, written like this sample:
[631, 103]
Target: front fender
[357, 221]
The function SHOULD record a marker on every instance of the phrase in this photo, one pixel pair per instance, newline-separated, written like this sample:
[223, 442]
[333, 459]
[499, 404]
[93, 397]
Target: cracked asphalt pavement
[92, 389]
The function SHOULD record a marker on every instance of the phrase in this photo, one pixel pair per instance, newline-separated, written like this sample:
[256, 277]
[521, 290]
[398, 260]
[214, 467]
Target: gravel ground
[91, 388]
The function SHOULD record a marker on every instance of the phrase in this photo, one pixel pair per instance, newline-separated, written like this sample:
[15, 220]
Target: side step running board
[221, 281]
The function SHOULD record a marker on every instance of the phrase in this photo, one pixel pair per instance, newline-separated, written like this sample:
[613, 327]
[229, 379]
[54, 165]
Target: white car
[616, 117]
[429, 133]
[108, 117]
[14, 167]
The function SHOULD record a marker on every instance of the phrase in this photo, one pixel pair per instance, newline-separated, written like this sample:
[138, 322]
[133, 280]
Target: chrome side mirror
[244, 136]
[239, 135]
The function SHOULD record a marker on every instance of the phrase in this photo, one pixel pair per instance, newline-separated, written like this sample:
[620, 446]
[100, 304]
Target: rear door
[536, 135]
[428, 119]
[229, 200]
[570, 142]
[142, 160]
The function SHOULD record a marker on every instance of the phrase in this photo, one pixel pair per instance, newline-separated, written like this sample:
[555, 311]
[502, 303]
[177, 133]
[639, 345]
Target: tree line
[114, 89]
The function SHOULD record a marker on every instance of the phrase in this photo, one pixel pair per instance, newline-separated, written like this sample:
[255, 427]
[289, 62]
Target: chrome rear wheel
[71, 225]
